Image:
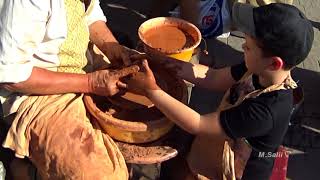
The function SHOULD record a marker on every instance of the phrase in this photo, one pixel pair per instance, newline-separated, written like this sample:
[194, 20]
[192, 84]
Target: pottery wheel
[144, 127]
[146, 154]
[163, 149]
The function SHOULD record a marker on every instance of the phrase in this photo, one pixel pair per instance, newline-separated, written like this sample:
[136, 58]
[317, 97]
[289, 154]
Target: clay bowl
[171, 33]
[136, 125]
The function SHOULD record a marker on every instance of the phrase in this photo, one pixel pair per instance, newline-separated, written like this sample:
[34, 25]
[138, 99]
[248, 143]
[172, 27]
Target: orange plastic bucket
[175, 37]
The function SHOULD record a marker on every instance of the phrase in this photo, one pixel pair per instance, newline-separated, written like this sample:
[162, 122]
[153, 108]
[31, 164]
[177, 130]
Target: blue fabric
[212, 24]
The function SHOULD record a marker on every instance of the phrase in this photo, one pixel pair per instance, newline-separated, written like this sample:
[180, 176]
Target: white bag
[2, 171]
[214, 19]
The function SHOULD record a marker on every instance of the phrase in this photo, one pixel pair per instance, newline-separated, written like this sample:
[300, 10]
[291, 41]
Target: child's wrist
[150, 92]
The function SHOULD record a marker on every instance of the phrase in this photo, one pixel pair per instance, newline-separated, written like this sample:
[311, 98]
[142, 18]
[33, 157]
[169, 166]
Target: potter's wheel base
[161, 150]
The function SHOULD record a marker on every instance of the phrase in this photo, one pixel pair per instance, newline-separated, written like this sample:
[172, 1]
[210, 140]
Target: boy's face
[253, 55]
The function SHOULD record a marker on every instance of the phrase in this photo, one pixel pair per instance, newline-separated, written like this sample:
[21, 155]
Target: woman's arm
[45, 82]
[100, 34]
[102, 37]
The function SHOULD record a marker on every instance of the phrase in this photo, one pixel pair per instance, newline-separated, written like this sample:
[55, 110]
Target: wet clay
[142, 114]
[131, 107]
[139, 99]
[133, 115]
[120, 108]
[189, 41]
[132, 101]
[138, 115]
[167, 38]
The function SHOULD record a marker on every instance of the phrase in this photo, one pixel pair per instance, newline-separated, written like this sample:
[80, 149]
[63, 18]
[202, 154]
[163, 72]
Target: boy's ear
[277, 63]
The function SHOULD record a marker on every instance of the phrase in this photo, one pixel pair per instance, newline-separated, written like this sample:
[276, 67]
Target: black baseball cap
[281, 28]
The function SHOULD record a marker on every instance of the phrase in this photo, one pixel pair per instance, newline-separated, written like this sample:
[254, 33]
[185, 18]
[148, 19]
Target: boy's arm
[206, 77]
[185, 117]
[251, 118]
[200, 75]
[145, 84]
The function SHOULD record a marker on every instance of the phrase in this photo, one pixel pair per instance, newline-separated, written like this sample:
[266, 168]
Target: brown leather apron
[218, 158]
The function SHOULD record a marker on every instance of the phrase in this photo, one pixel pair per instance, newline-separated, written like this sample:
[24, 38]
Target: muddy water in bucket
[168, 39]
[169, 36]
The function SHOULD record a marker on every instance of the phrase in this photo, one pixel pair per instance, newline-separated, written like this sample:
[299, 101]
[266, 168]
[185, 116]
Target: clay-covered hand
[172, 66]
[117, 54]
[107, 83]
[143, 81]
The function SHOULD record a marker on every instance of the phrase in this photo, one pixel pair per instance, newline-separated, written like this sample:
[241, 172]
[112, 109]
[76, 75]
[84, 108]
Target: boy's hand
[107, 83]
[142, 82]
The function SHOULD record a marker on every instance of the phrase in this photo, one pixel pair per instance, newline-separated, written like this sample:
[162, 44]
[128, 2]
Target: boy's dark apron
[218, 158]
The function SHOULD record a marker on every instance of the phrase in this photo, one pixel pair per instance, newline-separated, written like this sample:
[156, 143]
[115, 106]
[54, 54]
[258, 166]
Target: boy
[254, 114]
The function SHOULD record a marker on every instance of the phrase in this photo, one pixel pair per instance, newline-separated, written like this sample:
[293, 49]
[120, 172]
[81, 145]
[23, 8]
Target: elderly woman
[44, 60]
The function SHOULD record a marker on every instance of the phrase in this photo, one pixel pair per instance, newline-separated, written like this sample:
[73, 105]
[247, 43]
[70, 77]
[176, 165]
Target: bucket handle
[205, 51]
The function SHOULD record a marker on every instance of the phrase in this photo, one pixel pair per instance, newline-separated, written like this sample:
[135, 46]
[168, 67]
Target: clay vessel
[137, 131]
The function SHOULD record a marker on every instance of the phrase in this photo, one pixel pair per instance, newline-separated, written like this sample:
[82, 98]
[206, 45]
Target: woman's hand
[117, 54]
[172, 66]
[143, 81]
[107, 83]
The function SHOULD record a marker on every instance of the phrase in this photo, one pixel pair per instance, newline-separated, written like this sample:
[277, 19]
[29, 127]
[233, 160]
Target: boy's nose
[243, 46]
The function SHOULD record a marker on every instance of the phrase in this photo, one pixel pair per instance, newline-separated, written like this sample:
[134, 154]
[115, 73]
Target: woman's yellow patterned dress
[54, 131]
